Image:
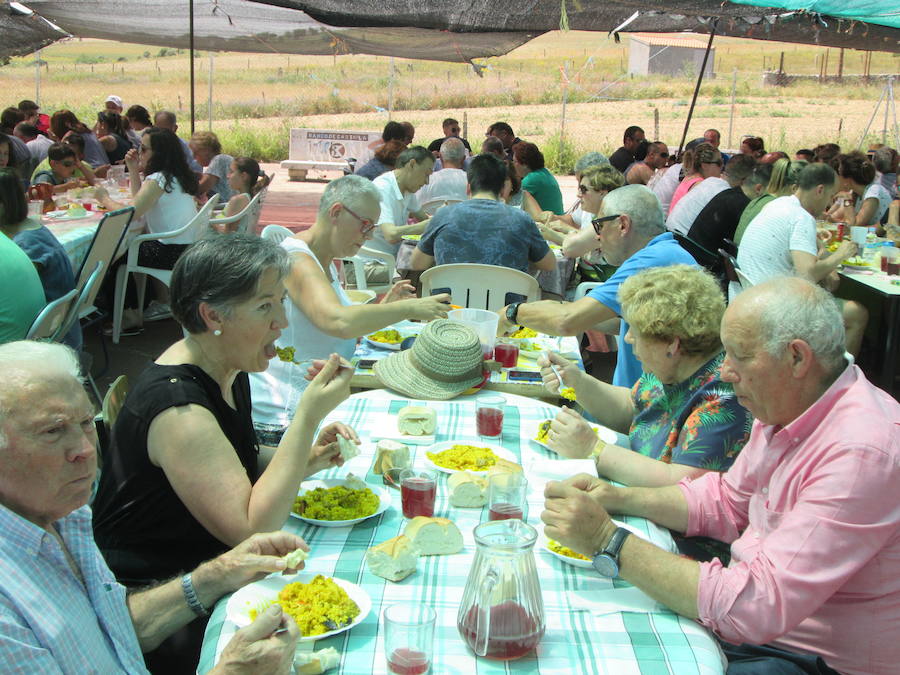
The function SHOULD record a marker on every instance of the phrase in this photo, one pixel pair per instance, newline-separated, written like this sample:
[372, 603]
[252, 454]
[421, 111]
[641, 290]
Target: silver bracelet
[190, 596]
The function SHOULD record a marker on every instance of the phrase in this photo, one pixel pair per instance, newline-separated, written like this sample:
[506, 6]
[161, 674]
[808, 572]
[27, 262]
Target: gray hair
[26, 360]
[588, 160]
[222, 271]
[414, 152]
[640, 204]
[351, 190]
[453, 150]
[796, 309]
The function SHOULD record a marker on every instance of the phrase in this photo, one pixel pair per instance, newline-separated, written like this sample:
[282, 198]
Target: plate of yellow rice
[337, 502]
[321, 606]
[538, 433]
[567, 555]
[453, 456]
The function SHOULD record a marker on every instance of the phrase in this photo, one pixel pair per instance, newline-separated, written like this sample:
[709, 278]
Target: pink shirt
[813, 517]
[683, 187]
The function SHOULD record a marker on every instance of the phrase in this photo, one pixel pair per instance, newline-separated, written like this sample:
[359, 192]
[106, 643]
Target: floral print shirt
[698, 422]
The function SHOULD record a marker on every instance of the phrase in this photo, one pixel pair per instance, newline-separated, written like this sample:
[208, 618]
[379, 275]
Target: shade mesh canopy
[736, 20]
[243, 26]
[24, 34]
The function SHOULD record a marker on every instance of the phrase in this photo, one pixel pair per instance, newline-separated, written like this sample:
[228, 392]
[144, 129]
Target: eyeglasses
[68, 164]
[598, 222]
[583, 189]
[367, 225]
[663, 154]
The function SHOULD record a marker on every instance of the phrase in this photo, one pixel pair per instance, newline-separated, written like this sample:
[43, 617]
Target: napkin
[612, 601]
[541, 471]
[395, 435]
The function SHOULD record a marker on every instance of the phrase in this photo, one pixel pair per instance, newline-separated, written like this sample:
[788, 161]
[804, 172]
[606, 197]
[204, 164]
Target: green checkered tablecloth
[575, 641]
[74, 235]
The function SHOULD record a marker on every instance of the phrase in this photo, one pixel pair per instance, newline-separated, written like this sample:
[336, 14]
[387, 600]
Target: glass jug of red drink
[502, 612]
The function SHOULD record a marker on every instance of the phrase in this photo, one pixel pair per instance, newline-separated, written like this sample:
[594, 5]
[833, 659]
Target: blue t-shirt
[483, 231]
[54, 269]
[661, 251]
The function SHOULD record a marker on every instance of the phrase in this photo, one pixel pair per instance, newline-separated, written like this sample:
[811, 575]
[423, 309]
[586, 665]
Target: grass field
[259, 97]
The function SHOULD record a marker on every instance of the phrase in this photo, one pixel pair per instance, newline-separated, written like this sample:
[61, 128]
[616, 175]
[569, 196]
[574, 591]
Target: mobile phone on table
[366, 364]
[524, 376]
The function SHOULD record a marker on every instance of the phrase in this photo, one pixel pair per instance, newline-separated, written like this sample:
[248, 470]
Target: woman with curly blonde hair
[682, 420]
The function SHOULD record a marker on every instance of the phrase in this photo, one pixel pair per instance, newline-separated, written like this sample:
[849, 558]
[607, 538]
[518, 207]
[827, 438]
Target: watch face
[606, 565]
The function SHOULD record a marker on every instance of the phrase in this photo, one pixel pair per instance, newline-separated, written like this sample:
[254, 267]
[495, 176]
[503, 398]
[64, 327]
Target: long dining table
[593, 624]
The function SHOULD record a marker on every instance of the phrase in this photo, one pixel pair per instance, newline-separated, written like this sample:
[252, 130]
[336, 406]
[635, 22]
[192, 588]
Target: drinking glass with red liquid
[418, 490]
[506, 355]
[501, 615]
[489, 416]
[506, 496]
[408, 638]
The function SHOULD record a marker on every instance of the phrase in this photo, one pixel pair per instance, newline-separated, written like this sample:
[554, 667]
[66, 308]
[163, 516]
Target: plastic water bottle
[872, 246]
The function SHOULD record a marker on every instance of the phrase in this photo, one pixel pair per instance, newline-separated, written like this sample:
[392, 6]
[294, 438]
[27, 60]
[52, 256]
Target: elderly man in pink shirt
[810, 506]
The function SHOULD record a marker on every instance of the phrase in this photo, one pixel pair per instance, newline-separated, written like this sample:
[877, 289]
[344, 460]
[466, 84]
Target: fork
[554, 369]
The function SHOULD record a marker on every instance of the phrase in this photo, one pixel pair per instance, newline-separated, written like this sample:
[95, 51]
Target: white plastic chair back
[584, 288]
[480, 286]
[51, 319]
[276, 233]
[365, 255]
[433, 205]
[247, 219]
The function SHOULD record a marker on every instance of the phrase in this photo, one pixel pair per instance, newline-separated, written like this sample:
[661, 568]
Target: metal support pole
[191, 29]
[212, 57]
[687, 122]
[37, 77]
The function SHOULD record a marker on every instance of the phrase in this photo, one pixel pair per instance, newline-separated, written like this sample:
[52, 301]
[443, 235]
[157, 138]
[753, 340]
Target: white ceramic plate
[440, 447]
[604, 434]
[308, 486]
[387, 345]
[65, 215]
[260, 594]
[575, 562]
[858, 268]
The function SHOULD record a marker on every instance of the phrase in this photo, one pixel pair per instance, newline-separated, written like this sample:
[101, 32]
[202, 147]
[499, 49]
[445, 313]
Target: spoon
[555, 370]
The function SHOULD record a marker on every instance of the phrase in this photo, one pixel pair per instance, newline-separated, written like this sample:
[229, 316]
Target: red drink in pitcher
[513, 632]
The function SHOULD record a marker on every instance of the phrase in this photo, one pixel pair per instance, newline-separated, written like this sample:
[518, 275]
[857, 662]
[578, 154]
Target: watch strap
[190, 596]
[614, 545]
[512, 312]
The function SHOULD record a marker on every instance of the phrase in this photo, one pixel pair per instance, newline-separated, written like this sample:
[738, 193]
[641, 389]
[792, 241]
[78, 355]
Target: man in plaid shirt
[61, 609]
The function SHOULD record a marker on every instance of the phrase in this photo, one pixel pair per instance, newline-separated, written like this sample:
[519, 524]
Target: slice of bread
[294, 558]
[467, 491]
[348, 449]
[315, 663]
[434, 536]
[415, 420]
[504, 466]
[390, 455]
[394, 559]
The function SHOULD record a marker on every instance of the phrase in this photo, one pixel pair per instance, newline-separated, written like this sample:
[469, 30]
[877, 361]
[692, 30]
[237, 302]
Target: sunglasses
[598, 222]
[663, 154]
[366, 224]
[68, 163]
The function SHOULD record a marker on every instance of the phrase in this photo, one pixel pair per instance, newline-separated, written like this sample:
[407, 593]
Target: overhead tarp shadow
[660, 16]
[21, 35]
[242, 26]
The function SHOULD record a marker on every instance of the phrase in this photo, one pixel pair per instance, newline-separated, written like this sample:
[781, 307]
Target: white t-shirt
[171, 211]
[444, 184]
[664, 187]
[689, 207]
[782, 226]
[38, 147]
[395, 209]
[276, 392]
[877, 191]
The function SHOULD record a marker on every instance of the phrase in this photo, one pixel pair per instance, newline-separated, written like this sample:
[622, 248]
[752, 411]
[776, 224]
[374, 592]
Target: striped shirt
[51, 621]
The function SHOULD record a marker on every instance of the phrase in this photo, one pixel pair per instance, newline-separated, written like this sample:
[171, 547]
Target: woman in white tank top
[321, 319]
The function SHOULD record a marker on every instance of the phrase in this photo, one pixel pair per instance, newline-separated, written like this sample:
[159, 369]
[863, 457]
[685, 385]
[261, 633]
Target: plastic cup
[35, 208]
[506, 496]
[489, 416]
[506, 355]
[858, 236]
[483, 322]
[418, 490]
[409, 638]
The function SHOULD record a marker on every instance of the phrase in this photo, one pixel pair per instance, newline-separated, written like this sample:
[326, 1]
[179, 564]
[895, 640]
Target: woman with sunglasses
[321, 317]
[596, 182]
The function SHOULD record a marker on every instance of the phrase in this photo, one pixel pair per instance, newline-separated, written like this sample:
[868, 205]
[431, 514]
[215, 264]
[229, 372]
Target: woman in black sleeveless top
[110, 129]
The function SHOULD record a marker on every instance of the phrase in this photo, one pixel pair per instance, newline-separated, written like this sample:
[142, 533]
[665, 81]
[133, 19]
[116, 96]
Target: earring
[217, 332]
[668, 355]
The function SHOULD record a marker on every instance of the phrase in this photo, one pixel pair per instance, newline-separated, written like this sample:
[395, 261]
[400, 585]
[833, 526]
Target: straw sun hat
[443, 362]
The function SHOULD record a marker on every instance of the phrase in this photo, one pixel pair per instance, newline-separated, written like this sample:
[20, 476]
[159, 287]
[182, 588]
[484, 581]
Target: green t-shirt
[20, 308]
[45, 166]
[545, 190]
[750, 212]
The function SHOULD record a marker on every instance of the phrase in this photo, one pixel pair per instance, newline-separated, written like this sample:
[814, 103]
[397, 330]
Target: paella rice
[464, 458]
[318, 606]
[336, 503]
[556, 547]
[391, 336]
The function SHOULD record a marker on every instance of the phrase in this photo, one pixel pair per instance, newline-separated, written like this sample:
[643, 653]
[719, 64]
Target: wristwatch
[512, 312]
[606, 561]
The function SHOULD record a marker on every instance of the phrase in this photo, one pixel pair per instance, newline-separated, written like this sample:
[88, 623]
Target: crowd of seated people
[722, 400]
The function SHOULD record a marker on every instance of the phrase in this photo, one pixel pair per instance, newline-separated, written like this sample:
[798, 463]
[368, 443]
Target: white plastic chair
[480, 286]
[52, 318]
[359, 267]
[276, 233]
[433, 205]
[248, 219]
[584, 288]
[197, 226]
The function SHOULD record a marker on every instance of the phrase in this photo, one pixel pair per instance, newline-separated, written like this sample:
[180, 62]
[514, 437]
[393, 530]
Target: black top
[719, 219]
[621, 159]
[435, 145]
[144, 530]
[122, 146]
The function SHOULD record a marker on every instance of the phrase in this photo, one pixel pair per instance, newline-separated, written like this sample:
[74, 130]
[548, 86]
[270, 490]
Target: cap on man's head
[112, 98]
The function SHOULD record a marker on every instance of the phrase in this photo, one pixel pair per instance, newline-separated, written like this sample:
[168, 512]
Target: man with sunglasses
[63, 164]
[631, 234]
[643, 171]
[451, 130]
